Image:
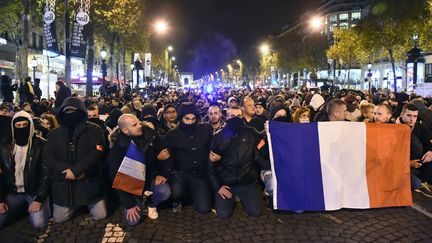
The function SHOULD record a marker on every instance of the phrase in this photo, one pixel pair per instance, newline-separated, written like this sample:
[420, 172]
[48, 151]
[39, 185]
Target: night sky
[206, 34]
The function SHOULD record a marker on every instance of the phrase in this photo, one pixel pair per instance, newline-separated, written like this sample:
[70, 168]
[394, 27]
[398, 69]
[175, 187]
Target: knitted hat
[148, 109]
[188, 108]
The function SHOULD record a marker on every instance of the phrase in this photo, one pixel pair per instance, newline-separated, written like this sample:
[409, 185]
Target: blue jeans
[98, 211]
[161, 193]
[415, 180]
[199, 188]
[250, 197]
[18, 204]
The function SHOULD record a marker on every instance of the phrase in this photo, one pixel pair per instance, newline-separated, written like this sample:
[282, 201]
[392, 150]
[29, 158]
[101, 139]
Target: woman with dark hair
[6, 88]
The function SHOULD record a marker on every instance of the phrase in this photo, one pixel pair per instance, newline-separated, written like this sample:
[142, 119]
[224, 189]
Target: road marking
[422, 210]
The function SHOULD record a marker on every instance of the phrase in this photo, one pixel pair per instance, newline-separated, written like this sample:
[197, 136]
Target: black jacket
[84, 155]
[190, 150]
[36, 174]
[150, 143]
[7, 92]
[241, 153]
[61, 95]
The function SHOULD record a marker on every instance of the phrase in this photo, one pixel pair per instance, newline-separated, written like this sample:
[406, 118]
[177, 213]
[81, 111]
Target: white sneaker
[153, 213]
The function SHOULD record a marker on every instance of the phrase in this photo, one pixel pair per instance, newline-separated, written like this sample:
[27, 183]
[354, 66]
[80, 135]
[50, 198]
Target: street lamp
[173, 58]
[315, 23]
[161, 26]
[264, 48]
[369, 66]
[170, 48]
[34, 66]
[104, 68]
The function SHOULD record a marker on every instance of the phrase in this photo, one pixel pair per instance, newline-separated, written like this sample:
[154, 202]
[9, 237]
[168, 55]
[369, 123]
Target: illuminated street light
[239, 62]
[170, 48]
[265, 48]
[173, 58]
[161, 26]
[315, 23]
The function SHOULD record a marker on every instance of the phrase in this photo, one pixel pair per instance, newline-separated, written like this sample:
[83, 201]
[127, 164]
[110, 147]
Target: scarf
[20, 155]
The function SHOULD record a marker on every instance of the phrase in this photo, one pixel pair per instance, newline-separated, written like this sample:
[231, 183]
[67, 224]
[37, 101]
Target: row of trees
[119, 25]
[385, 34]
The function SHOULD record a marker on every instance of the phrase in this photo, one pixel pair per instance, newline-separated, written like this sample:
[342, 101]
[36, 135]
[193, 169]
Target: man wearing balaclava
[232, 166]
[188, 146]
[74, 153]
[24, 178]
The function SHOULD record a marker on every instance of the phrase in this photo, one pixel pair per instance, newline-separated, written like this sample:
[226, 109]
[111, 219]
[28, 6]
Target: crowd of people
[208, 148]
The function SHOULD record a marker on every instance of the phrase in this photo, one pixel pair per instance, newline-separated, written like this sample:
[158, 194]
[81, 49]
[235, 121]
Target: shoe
[426, 186]
[214, 211]
[425, 192]
[152, 213]
[177, 207]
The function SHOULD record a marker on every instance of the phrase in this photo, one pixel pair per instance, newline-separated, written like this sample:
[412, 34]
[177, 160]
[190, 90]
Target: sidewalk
[377, 225]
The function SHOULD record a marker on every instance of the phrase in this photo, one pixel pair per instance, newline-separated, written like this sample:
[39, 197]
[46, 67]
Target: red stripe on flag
[128, 184]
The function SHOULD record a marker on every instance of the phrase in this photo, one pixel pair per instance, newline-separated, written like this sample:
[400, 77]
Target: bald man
[156, 160]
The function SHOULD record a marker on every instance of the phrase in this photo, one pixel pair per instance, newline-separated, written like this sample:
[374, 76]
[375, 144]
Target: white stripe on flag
[343, 164]
[272, 166]
[132, 168]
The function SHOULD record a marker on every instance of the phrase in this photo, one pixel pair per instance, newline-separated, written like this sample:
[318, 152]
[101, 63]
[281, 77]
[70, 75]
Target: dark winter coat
[190, 150]
[83, 155]
[150, 143]
[36, 174]
[241, 153]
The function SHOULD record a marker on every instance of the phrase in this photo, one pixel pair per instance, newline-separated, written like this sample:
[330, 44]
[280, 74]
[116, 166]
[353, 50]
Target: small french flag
[131, 175]
[334, 165]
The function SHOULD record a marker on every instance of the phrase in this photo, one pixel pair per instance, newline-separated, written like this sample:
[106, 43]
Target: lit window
[355, 15]
[353, 25]
[343, 25]
[333, 18]
[343, 16]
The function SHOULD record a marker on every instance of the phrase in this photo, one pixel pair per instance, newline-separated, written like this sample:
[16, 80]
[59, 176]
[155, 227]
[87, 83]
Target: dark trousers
[250, 198]
[199, 188]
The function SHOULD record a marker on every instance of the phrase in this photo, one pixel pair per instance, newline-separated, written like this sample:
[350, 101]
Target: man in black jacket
[156, 172]
[189, 145]
[234, 153]
[74, 153]
[420, 151]
[24, 178]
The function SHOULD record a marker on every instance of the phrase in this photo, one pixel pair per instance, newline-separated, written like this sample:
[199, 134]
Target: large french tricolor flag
[334, 165]
[131, 175]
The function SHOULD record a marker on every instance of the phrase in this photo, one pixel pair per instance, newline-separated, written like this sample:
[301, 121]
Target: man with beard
[215, 118]
[93, 116]
[188, 146]
[24, 177]
[382, 113]
[232, 168]
[74, 153]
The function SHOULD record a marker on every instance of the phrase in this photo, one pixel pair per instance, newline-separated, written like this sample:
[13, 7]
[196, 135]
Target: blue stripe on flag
[134, 153]
[296, 158]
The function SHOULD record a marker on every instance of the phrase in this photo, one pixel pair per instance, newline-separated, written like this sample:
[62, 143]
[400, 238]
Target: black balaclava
[71, 120]
[235, 123]
[96, 121]
[21, 135]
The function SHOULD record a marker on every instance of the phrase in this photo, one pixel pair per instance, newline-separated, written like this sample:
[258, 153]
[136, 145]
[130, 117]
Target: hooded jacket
[36, 174]
[83, 154]
[189, 144]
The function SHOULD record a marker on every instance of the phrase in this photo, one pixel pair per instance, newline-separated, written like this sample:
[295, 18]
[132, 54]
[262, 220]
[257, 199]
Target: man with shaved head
[156, 160]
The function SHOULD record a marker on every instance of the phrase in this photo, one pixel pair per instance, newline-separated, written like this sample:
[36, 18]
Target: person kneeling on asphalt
[156, 164]
[74, 153]
[24, 177]
[234, 152]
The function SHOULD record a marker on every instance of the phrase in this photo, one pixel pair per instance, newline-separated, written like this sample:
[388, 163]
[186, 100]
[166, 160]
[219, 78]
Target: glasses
[171, 112]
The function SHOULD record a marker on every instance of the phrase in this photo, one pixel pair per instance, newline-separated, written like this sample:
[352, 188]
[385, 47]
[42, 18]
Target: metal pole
[34, 73]
[67, 74]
